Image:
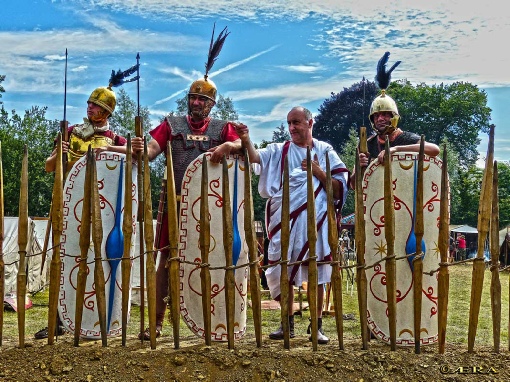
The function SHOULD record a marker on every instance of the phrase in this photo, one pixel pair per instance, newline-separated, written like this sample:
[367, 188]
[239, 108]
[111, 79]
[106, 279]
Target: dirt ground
[196, 362]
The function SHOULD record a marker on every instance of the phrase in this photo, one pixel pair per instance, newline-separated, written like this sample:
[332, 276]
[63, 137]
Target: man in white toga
[271, 161]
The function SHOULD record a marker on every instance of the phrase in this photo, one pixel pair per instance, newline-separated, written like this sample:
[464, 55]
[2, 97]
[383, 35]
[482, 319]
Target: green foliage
[457, 112]
[123, 119]
[2, 90]
[504, 194]
[37, 133]
[348, 156]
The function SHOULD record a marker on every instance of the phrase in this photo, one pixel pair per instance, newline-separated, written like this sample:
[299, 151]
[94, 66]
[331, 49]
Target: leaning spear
[484, 211]
[494, 249]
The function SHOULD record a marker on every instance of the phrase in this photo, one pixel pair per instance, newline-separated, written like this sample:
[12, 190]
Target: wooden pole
[336, 275]
[81, 282]
[312, 258]
[484, 211]
[249, 233]
[284, 277]
[494, 250]
[205, 274]
[97, 240]
[360, 238]
[149, 243]
[57, 224]
[389, 233]
[173, 238]
[418, 259]
[141, 218]
[21, 289]
[2, 263]
[127, 230]
[443, 240]
[227, 246]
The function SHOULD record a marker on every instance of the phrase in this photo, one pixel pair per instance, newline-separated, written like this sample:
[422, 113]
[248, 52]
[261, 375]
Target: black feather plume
[215, 49]
[119, 78]
[383, 77]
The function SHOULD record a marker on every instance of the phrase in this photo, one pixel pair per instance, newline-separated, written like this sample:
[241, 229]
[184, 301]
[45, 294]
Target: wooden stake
[484, 211]
[81, 282]
[57, 224]
[336, 276]
[173, 239]
[494, 250]
[418, 259]
[127, 230]
[249, 233]
[227, 246]
[2, 263]
[149, 244]
[205, 233]
[360, 239]
[312, 241]
[284, 242]
[389, 233]
[97, 240]
[21, 289]
[443, 243]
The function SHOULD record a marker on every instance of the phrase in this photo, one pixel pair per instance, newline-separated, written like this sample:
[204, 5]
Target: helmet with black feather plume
[105, 96]
[204, 86]
[384, 102]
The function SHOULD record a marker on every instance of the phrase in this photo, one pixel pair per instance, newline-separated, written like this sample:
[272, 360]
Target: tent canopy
[463, 229]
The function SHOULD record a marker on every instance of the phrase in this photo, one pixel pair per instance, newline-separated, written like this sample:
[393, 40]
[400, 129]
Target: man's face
[300, 128]
[96, 114]
[199, 106]
[382, 120]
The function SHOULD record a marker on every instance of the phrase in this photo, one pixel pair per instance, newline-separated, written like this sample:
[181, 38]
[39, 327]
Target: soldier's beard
[203, 113]
[98, 119]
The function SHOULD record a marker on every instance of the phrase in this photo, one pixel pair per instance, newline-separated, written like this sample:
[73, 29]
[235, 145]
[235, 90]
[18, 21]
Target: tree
[37, 133]
[348, 156]
[343, 111]
[457, 112]
[2, 90]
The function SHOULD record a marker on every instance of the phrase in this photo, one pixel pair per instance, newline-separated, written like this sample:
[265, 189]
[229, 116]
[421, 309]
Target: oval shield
[189, 250]
[404, 172]
[111, 182]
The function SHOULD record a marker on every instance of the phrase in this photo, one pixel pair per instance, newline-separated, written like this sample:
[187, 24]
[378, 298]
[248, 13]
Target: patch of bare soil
[196, 362]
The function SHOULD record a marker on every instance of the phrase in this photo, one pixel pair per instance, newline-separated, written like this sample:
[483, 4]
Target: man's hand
[242, 131]
[363, 160]
[219, 151]
[380, 157]
[317, 171]
[136, 145]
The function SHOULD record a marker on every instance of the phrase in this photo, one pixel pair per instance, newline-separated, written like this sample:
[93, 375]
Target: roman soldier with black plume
[189, 136]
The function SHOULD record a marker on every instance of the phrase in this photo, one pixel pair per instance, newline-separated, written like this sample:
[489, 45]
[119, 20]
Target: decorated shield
[404, 176]
[189, 250]
[111, 182]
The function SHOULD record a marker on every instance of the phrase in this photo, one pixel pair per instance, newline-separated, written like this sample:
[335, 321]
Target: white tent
[35, 280]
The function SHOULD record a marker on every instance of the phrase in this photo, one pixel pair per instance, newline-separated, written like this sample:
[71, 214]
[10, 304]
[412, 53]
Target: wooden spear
[389, 233]
[249, 233]
[495, 282]
[312, 241]
[2, 263]
[173, 238]
[227, 247]
[97, 240]
[360, 238]
[284, 277]
[418, 259]
[21, 289]
[149, 243]
[205, 274]
[81, 282]
[57, 223]
[443, 240]
[336, 276]
[127, 230]
[484, 211]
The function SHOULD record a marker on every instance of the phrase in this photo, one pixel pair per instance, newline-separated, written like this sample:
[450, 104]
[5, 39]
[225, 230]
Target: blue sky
[279, 53]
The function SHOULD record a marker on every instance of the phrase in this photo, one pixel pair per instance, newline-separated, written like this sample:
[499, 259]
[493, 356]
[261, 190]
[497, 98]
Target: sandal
[146, 335]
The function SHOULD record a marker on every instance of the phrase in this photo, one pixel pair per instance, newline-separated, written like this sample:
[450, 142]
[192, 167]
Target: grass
[457, 329]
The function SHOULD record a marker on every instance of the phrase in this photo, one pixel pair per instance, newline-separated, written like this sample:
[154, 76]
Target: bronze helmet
[204, 87]
[384, 102]
[104, 97]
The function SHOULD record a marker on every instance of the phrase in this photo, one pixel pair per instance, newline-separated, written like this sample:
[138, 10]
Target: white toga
[270, 182]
